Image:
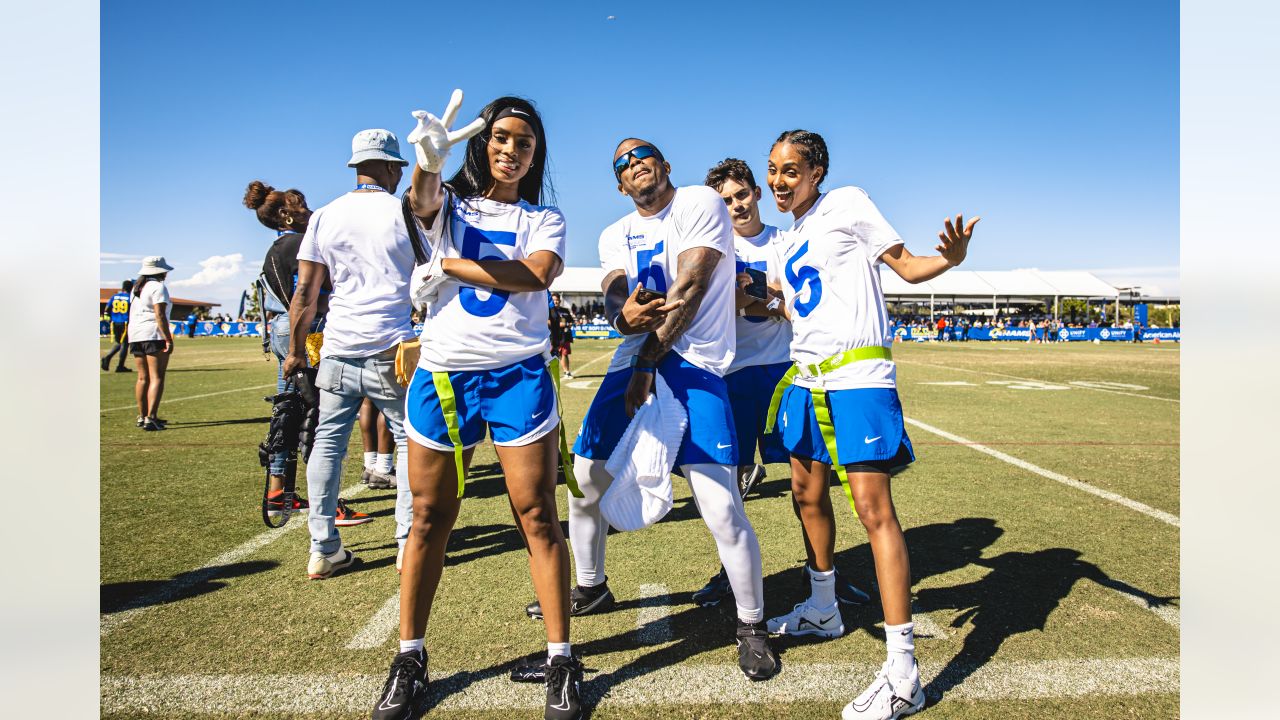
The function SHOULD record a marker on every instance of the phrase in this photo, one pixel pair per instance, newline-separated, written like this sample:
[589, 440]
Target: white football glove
[432, 140]
[425, 282]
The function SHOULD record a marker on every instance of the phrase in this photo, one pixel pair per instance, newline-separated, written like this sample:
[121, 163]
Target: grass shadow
[131, 595]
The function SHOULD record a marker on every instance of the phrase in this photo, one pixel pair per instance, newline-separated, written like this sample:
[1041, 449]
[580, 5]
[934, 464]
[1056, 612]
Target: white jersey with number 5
[648, 250]
[761, 340]
[472, 327]
[831, 281]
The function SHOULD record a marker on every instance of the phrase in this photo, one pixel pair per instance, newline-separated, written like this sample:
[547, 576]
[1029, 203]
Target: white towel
[641, 463]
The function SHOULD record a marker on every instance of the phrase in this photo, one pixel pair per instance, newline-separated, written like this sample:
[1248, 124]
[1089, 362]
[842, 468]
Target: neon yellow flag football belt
[449, 406]
[821, 409]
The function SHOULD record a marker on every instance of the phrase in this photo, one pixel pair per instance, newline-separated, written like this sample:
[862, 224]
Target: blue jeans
[344, 383]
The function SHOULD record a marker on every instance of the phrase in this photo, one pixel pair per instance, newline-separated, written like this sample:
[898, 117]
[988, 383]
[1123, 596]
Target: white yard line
[170, 401]
[653, 623]
[1160, 515]
[1171, 614]
[1016, 377]
[686, 684]
[380, 626]
[170, 590]
[589, 363]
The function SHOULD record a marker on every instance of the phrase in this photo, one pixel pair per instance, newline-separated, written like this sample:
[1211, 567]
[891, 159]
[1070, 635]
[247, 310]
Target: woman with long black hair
[495, 249]
[150, 338]
[838, 406]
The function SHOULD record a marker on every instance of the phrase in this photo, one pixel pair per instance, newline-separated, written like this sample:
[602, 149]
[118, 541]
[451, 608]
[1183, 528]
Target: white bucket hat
[154, 265]
[376, 144]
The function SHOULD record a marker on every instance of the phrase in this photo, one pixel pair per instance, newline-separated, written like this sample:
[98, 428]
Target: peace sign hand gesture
[432, 139]
[954, 245]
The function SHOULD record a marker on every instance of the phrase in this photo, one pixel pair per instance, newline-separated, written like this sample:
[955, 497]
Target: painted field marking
[169, 401]
[925, 626]
[1027, 385]
[589, 363]
[653, 624]
[379, 627]
[629, 686]
[953, 383]
[1170, 614]
[1015, 377]
[1160, 515]
[208, 571]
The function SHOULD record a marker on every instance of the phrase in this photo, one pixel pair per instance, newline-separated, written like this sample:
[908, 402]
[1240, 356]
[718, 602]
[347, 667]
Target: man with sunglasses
[669, 289]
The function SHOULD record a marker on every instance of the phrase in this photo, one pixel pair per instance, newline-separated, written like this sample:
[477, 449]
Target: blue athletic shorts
[868, 421]
[709, 438]
[517, 403]
[750, 390]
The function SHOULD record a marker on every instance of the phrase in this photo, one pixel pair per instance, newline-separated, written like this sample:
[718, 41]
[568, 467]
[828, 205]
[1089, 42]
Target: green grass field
[1041, 511]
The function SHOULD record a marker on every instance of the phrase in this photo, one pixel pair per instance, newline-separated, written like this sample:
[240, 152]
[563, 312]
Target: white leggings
[715, 492]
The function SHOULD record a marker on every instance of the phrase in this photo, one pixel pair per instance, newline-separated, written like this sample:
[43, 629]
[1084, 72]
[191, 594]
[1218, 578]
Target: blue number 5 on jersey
[804, 276]
[648, 271]
[474, 241]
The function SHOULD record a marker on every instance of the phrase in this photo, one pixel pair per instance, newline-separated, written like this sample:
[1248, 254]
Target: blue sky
[1057, 122]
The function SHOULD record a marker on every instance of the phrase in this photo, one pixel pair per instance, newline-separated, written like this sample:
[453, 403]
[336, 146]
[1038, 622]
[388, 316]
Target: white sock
[383, 463]
[554, 649]
[822, 585]
[901, 642]
[369, 459]
[407, 645]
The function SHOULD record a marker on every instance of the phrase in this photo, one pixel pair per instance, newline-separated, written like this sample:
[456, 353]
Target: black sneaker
[714, 591]
[848, 594]
[405, 691]
[582, 601]
[151, 425]
[105, 363]
[748, 481]
[756, 659]
[563, 676]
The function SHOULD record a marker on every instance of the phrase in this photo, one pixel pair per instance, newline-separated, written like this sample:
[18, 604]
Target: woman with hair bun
[286, 213]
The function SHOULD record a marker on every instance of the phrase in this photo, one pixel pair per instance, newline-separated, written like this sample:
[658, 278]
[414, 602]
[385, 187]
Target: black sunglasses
[640, 152]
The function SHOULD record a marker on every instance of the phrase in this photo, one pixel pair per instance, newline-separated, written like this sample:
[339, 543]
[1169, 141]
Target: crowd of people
[760, 339]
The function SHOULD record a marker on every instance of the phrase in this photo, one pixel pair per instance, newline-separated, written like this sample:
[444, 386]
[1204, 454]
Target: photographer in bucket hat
[358, 242]
[150, 338]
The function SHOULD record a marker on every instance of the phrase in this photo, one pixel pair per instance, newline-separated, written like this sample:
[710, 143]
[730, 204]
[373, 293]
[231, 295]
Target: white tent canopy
[956, 284]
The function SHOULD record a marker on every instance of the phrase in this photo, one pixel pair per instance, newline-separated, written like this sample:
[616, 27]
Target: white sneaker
[805, 619]
[323, 566]
[888, 697]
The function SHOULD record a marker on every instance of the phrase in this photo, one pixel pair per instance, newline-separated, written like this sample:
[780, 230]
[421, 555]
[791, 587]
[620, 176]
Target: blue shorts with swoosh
[710, 437]
[517, 403]
[868, 421]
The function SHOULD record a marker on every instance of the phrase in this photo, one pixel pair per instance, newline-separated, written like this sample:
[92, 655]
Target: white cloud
[215, 270]
[107, 258]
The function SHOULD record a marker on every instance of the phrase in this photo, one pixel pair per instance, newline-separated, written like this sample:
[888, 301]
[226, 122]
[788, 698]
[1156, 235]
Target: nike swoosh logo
[383, 705]
[826, 620]
[721, 447]
[868, 440]
[538, 414]
[564, 699]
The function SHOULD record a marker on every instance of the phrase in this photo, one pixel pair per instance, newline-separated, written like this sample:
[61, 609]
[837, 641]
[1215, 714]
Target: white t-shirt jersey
[361, 238]
[648, 250]
[761, 340]
[142, 312]
[473, 327]
[831, 282]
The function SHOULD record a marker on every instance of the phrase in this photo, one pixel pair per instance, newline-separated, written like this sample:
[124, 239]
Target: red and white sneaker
[346, 517]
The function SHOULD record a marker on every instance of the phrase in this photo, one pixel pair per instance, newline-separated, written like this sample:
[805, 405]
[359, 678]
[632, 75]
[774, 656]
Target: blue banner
[595, 330]
[210, 328]
[1162, 334]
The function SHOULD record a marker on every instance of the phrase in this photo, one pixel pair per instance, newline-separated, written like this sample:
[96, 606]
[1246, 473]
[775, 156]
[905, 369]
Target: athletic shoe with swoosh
[405, 691]
[564, 674]
[582, 601]
[888, 698]
[805, 619]
[756, 659]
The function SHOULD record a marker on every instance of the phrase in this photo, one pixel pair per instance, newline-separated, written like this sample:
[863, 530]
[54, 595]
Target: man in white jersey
[678, 244]
[762, 353]
[838, 407]
[360, 242]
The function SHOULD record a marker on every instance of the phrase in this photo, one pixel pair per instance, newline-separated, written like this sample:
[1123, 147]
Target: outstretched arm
[952, 249]
[432, 140]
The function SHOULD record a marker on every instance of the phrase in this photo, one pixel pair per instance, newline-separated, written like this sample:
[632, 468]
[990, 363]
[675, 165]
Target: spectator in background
[118, 310]
[561, 319]
[359, 243]
[191, 324]
[150, 338]
[286, 213]
[379, 448]
[942, 329]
